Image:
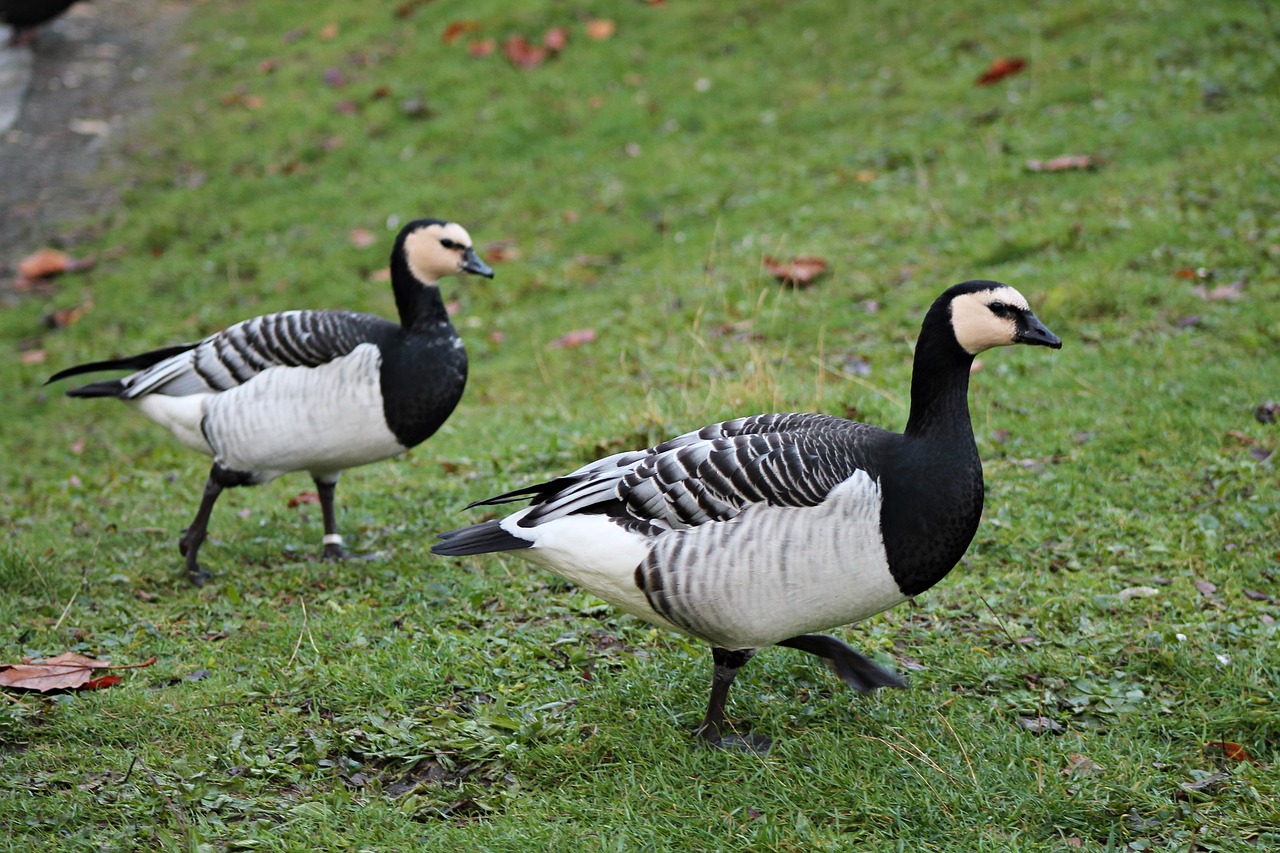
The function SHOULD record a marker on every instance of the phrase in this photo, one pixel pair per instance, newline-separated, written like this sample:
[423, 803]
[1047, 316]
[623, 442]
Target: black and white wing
[792, 460]
[239, 353]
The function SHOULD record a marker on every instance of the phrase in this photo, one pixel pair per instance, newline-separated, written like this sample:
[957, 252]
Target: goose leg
[852, 668]
[727, 664]
[332, 541]
[193, 537]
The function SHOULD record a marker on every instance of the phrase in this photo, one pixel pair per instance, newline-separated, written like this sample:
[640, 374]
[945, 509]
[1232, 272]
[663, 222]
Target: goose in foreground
[314, 391]
[762, 530]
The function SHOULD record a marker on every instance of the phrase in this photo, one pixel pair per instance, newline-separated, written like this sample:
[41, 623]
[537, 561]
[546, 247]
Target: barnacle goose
[26, 15]
[315, 391]
[762, 530]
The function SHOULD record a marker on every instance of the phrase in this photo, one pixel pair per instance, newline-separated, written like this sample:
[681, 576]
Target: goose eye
[449, 244]
[1000, 309]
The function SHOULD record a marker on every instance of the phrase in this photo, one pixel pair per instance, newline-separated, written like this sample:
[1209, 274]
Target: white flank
[592, 552]
[776, 572]
[180, 415]
[319, 419]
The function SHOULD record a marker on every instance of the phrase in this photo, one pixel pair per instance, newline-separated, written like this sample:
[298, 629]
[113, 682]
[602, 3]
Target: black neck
[939, 385]
[419, 304]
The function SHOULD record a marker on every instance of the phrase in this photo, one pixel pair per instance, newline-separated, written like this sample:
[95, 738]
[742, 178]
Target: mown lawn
[1122, 586]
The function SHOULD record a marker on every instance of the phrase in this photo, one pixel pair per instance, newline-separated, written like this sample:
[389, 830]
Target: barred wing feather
[239, 353]
[711, 475]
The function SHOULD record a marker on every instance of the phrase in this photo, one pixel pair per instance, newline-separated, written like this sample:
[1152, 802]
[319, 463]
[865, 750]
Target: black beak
[1032, 331]
[471, 263]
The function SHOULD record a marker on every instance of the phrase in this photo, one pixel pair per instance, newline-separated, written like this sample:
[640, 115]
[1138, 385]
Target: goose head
[432, 249]
[986, 314]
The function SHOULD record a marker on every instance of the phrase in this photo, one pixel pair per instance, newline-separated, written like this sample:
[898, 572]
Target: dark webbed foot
[851, 667]
[713, 726]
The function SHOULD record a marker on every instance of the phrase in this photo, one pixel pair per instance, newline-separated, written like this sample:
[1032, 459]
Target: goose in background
[763, 530]
[317, 391]
[25, 15]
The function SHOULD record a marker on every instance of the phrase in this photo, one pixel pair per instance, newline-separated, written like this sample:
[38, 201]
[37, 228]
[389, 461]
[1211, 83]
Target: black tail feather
[484, 538]
[109, 388]
[137, 362]
[533, 493]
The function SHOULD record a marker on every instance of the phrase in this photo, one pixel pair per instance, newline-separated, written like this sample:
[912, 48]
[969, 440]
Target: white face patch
[428, 258]
[976, 327]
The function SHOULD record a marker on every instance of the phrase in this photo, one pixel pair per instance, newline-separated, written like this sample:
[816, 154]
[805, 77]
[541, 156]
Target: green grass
[417, 703]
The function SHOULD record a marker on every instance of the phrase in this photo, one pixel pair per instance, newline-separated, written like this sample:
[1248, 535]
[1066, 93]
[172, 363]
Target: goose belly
[773, 572]
[320, 419]
[182, 416]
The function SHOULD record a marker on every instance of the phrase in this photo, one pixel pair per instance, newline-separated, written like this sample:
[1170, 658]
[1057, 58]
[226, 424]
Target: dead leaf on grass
[1266, 413]
[1065, 163]
[1000, 69]
[406, 9]
[33, 356]
[67, 671]
[362, 238]
[556, 40]
[457, 29]
[521, 53]
[303, 498]
[64, 317]
[482, 47]
[328, 32]
[1080, 765]
[800, 271]
[43, 263]
[1206, 587]
[1233, 751]
[576, 338]
[500, 251]
[599, 29]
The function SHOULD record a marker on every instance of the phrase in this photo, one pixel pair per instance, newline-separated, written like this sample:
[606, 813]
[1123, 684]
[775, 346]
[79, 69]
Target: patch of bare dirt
[89, 76]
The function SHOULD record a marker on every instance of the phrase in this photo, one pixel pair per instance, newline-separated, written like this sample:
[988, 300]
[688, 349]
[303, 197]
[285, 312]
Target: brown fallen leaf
[44, 263]
[1000, 69]
[303, 498]
[268, 65]
[1065, 163]
[1206, 587]
[77, 446]
[328, 32]
[33, 356]
[67, 671]
[1255, 595]
[799, 271]
[1193, 273]
[521, 53]
[64, 317]
[362, 238]
[482, 48]
[406, 9]
[334, 77]
[1234, 751]
[599, 29]
[457, 29]
[1080, 765]
[556, 40]
[576, 338]
[500, 251]
[102, 681]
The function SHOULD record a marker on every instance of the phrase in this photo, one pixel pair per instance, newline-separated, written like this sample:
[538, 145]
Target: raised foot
[852, 668]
